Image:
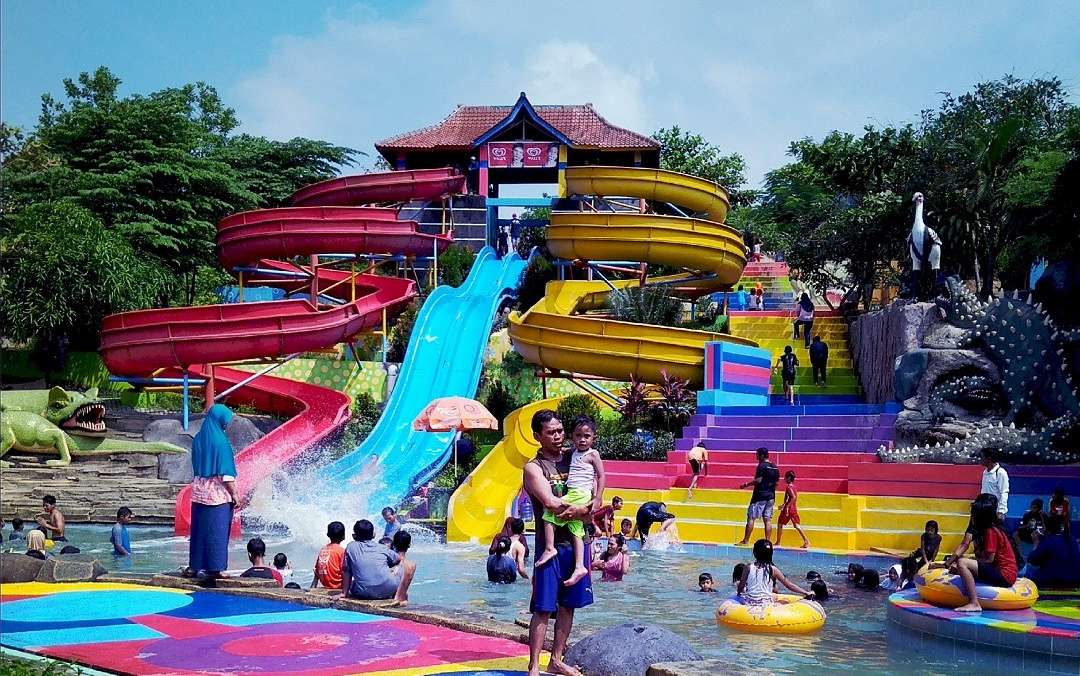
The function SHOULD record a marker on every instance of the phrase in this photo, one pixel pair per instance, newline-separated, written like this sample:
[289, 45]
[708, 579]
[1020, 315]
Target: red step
[640, 467]
[734, 482]
[915, 480]
[639, 481]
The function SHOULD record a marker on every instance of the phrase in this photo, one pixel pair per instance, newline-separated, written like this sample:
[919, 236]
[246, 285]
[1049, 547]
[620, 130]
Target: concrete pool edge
[1016, 639]
[448, 618]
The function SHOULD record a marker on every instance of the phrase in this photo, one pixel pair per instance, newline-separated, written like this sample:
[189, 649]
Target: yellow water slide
[557, 334]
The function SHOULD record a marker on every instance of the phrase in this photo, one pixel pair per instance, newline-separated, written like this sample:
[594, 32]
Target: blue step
[815, 409]
[818, 399]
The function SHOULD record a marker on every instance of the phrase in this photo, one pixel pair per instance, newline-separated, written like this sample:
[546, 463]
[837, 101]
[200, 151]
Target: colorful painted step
[832, 521]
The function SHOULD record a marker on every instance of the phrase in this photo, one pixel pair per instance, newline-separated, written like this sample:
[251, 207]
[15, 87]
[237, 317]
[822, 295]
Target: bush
[454, 264]
[500, 401]
[532, 237]
[536, 276]
[400, 334]
[675, 406]
[576, 405]
[365, 414]
[636, 446]
[648, 305]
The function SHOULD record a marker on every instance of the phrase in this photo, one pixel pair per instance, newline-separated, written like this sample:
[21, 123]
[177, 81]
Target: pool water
[659, 589]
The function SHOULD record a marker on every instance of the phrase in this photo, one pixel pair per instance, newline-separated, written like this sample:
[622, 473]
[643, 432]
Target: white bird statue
[924, 245]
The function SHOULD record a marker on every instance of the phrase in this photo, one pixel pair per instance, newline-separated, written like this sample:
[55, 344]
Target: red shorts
[788, 516]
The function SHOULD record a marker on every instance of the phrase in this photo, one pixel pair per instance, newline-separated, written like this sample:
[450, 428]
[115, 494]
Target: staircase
[819, 443]
[831, 521]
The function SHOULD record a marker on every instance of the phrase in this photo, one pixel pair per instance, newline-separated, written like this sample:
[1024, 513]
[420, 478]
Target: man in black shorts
[544, 479]
[650, 513]
[763, 499]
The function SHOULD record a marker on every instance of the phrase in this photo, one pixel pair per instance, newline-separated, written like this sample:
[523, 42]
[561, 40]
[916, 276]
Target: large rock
[15, 567]
[177, 468]
[628, 650]
[71, 568]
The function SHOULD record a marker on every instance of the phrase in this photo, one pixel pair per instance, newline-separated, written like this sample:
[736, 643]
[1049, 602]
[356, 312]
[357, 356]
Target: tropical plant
[635, 402]
[530, 237]
[645, 305]
[402, 331]
[365, 415]
[675, 403]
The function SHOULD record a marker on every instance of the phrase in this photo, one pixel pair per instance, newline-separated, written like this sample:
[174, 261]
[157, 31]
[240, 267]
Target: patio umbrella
[455, 414]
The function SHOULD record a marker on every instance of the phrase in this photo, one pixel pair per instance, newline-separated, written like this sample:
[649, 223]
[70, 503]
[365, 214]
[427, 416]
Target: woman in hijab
[213, 495]
[35, 544]
[804, 315]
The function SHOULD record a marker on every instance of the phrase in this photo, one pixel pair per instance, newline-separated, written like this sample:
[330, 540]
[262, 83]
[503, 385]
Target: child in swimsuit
[789, 512]
[584, 486]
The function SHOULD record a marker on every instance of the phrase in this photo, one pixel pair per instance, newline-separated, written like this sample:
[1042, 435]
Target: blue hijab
[211, 452]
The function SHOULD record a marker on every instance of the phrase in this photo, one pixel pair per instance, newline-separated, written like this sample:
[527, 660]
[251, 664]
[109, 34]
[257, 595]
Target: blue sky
[751, 77]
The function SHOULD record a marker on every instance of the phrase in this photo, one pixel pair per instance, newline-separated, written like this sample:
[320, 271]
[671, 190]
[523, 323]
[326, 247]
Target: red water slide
[323, 221]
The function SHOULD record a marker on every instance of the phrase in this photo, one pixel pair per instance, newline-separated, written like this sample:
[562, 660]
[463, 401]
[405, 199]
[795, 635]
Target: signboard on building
[523, 154]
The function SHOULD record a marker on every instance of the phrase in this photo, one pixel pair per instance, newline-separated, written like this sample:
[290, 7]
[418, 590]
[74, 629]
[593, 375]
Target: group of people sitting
[365, 568]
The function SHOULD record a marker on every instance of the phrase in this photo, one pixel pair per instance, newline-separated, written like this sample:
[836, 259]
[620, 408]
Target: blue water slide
[444, 359]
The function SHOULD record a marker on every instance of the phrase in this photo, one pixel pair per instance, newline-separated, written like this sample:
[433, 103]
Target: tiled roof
[581, 124]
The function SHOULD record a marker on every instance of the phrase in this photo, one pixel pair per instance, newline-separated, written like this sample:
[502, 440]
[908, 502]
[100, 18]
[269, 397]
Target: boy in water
[119, 537]
[405, 569]
[705, 583]
[584, 486]
[929, 544]
[281, 565]
[16, 530]
[256, 550]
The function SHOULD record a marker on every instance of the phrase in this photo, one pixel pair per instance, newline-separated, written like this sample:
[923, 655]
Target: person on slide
[584, 487]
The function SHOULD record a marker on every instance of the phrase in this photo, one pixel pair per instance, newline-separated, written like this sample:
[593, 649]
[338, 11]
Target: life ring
[941, 588]
[789, 615]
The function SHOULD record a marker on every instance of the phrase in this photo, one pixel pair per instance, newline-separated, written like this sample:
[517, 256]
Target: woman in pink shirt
[614, 563]
[213, 495]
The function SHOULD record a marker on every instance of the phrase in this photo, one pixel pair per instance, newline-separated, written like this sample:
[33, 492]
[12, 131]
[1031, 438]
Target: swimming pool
[657, 590]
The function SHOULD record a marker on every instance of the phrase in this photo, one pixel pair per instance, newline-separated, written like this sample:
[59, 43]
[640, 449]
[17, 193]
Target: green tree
[692, 154]
[980, 148]
[64, 272]
[158, 169]
[454, 264]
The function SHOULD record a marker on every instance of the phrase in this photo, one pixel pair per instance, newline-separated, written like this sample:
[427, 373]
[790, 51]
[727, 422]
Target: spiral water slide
[557, 332]
[323, 220]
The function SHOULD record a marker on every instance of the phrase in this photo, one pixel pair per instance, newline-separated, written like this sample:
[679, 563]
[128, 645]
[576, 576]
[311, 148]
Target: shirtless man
[698, 459]
[51, 519]
[543, 477]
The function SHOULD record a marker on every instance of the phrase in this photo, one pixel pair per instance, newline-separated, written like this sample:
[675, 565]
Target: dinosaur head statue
[999, 375]
[76, 412]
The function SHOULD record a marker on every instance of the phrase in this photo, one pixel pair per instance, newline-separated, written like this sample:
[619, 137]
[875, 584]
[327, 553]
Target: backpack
[788, 365]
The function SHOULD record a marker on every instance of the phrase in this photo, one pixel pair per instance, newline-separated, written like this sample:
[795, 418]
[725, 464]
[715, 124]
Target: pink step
[639, 481]
[792, 459]
[640, 467]
[734, 482]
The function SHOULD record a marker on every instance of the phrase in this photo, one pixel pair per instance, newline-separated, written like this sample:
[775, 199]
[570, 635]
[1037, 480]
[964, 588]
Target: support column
[208, 389]
[483, 173]
[315, 281]
[562, 170]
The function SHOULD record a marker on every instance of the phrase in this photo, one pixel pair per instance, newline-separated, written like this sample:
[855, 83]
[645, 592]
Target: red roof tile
[581, 124]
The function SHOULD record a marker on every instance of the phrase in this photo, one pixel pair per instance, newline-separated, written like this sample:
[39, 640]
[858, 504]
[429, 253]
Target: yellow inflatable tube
[941, 588]
[789, 615]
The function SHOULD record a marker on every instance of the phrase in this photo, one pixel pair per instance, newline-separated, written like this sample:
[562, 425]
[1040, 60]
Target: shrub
[648, 305]
[532, 237]
[575, 405]
[365, 414]
[536, 276]
[635, 406]
[636, 446]
[399, 335]
[500, 401]
[454, 264]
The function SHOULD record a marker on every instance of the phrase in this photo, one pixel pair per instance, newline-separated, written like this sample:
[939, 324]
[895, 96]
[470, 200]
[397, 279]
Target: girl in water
[756, 585]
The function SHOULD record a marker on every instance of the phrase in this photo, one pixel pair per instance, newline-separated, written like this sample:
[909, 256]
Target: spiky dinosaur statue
[62, 422]
[1034, 389]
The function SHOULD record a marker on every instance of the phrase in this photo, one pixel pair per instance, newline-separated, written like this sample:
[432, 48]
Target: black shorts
[788, 381]
[695, 466]
[989, 574]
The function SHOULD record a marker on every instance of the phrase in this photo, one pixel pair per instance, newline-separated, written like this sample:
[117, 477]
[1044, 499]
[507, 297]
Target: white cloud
[750, 78]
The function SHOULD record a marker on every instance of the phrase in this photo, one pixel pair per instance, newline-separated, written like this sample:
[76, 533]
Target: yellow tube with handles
[941, 588]
[789, 615]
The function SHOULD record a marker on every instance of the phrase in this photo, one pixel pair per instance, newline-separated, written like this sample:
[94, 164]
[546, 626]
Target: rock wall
[878, 338]
[91, 489]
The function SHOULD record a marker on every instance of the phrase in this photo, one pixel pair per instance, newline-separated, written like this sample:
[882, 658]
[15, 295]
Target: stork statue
[924, 246]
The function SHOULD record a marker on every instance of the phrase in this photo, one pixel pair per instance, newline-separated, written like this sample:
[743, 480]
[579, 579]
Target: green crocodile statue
[63, 422]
